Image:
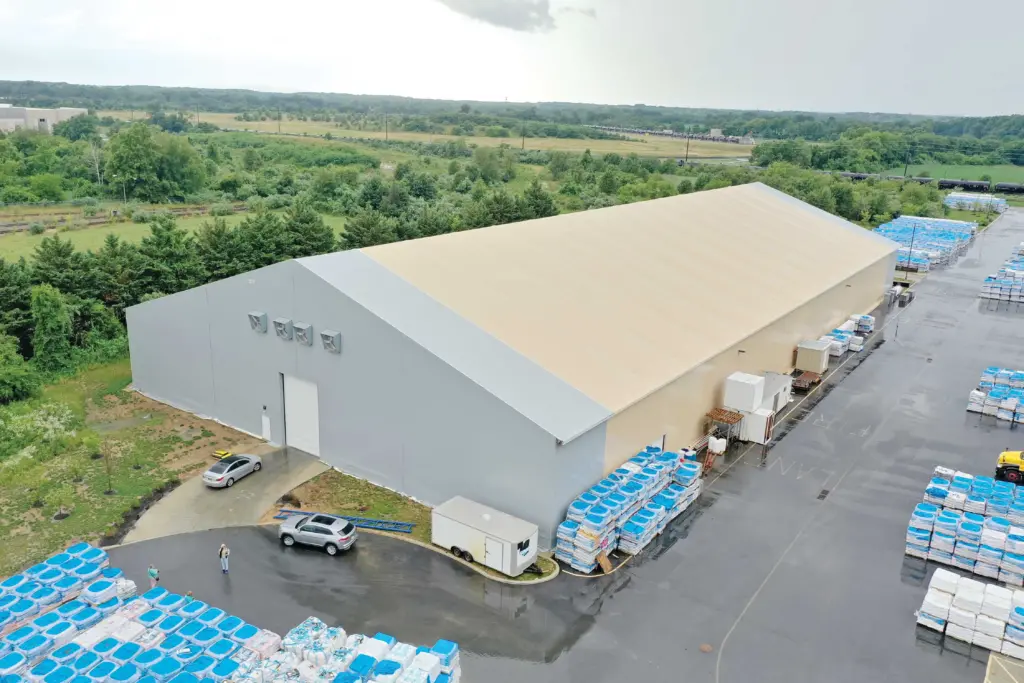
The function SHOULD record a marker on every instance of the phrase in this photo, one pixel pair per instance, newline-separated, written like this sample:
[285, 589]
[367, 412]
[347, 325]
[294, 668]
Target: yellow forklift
[1009, 467]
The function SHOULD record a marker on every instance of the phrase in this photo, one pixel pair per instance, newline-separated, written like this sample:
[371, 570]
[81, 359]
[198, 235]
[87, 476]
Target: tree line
[871, 151]
[762, 124]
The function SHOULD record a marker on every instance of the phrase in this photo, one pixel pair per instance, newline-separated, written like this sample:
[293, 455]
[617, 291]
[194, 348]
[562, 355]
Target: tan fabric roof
[618, 302]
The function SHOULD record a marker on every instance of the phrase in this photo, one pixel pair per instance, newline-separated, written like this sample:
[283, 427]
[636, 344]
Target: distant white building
[30, 118]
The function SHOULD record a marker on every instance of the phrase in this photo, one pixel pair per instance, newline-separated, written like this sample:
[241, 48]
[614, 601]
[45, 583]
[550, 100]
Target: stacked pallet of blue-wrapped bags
[975, 202]
[96, 631]
[629, 508]
[316, 653]
[971, 522]
[926, 243]
[1000, 393]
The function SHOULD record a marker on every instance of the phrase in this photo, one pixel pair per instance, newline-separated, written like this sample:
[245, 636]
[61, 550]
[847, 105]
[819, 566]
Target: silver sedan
[230, 469]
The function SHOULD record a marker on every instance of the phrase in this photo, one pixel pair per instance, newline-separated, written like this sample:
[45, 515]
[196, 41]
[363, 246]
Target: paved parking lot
[791, 572]
[194, 507]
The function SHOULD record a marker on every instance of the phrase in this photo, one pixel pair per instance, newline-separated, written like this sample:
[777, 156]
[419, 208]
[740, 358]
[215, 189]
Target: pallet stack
[627, 509]
[970, 611]
[100, 632]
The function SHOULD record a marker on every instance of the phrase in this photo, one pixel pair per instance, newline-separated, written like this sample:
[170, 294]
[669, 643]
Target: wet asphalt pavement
[793, 571]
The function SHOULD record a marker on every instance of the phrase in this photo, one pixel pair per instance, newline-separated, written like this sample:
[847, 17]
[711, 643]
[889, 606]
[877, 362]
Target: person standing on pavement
[223, 554]
[154, 576]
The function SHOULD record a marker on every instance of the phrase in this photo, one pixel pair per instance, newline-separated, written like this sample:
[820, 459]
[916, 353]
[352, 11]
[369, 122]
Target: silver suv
[331, 533]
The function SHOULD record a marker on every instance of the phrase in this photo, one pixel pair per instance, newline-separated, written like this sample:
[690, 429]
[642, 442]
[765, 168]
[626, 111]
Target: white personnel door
[302, 415]
[493, 554]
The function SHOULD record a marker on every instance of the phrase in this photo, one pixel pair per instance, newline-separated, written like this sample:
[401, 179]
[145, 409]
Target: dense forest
[762, 124]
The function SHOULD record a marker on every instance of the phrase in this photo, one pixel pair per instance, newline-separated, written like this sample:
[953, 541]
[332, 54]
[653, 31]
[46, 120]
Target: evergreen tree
[16, 302]
[219, 250]
[308, 233]
[51, 340]
[169, 258]
[371, 194]
[262, 240]
[367, 229]
[18, 379]
[58, 263]
[117, 269]
[537, 203]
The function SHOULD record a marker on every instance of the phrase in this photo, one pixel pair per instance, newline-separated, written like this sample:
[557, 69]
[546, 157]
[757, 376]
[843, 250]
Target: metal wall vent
[303, 333]
[331, 341]
[258, 321]
[283, 327]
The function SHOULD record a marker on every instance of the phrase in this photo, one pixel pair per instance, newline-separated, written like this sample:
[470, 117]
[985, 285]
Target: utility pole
[278, 119]
[524, 136]
[910, 254]
[385, 126]
[197, 114]
[906, 165]
[687, 159]
[133, 114]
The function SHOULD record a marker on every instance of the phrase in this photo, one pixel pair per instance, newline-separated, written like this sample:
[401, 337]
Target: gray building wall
[389, 410]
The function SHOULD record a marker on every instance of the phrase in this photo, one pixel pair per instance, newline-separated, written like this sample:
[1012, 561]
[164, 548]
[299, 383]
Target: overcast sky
[909, 56]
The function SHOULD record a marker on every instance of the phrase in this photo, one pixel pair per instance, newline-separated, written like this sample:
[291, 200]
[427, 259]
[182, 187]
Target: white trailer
[478, 533]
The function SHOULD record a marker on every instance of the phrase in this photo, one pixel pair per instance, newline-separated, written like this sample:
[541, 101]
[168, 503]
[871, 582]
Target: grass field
[648, 146]
[1004, 173]
[17, 244]
[146, 445]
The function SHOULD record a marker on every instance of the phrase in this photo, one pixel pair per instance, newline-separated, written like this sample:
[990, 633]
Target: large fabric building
[514, 365]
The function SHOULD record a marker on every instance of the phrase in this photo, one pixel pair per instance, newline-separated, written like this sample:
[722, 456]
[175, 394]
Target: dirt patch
[339, 493]
[132, 516]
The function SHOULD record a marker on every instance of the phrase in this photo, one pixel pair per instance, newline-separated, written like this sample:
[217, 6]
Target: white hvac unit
[743, 392]
[482, 534]
[757, 427]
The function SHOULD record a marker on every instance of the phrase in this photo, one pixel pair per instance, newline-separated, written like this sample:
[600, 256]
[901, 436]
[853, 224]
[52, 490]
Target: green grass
[15, 245]
[1004, 173]
[61, 472]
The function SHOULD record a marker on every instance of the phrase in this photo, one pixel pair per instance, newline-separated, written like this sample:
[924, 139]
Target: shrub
[37, 229]
[90, 211]
[278, 201]
[222, 210]
[141, 216]
[85, 201]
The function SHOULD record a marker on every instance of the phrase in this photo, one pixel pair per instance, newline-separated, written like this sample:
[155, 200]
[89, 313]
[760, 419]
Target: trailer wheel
[468, 557]
[456, 552]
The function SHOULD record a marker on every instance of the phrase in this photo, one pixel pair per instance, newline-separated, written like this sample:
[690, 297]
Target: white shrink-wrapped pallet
[959, 633]
[374, 648]
[1012, 650]
[997, 602]
[334, 637]
[962, 618]
[970, 595]
[986, 641]
[937, 603]
[989, 626]
[931, 622]
[307, 671]
[129, 631]
[264, 644]
[945, 581]
[427, 662]
[402, 653]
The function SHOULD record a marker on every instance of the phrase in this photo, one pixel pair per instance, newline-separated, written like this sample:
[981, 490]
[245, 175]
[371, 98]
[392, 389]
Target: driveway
[194, 507]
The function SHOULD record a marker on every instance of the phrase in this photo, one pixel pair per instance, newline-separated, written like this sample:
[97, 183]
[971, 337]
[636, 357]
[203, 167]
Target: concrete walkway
[194, 507]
